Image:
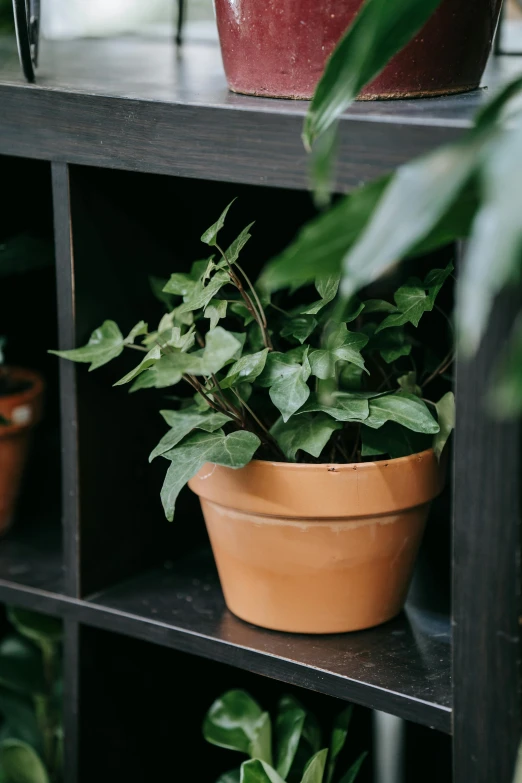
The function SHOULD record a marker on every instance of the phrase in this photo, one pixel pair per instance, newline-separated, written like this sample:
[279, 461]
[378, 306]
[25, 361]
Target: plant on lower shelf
[302, 380]
[289, 750]
[31, 735]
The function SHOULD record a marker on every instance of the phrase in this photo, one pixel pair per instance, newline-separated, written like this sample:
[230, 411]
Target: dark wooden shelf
[141, 105]
[31, 555]
[402, 667]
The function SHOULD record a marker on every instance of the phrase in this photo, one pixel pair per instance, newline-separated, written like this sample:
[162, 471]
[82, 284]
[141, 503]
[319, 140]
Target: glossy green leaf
[321, 244]
[434, 281]
[338, 739]
[184, 421]
[344, 406]
[233, 776]
[405, 409]
[288, 730]
[446, 417]
[220, 347]
[505, 396]
[418, 197]
[286, 375]
[105, 344]
[380, 30]
[36, 626]
[392, 343]
[157, 285]
[261, 743]
[354, 770]
[257, 771]
[19, 714]
[315, 770]
[209, 237]
[412, 302]
[20, 763]
[493, 255]
[215, 310]
[180, 284]
[141, 328]
[234, 451]
[394, 440]
[378, 306]
[300, 327]
[308, 433]
[246, 369]
[232, 721]
[339, 345]
[21, 665]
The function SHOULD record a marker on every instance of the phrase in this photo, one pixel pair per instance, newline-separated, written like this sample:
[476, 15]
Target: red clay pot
[279, 48]
[22, 410]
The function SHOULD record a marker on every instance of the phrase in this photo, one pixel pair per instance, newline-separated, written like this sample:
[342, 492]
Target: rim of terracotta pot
[24, 374]
[325, 490]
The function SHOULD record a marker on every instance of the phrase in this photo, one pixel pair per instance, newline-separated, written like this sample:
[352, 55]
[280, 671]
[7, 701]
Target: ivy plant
[301, 378]
[31, 735]
[289, 749]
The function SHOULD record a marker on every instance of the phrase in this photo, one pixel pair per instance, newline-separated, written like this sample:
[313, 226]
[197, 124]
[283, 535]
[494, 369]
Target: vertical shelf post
[486, 571]
[66, 337]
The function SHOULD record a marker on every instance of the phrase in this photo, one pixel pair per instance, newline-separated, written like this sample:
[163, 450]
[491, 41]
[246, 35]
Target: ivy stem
[268, 437]
[443, 366]
[138, 347]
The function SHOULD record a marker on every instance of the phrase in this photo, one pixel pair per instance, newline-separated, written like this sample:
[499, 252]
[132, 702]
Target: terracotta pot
[317, 548]
[22, 410]
[278, 48]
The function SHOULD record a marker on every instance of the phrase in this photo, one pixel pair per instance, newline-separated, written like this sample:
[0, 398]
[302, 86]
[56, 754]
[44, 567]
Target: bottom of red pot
[366, 95]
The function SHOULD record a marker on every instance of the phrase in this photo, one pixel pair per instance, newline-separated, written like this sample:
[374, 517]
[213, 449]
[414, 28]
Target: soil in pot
[317, 548]
[279, 48]
[21, 399]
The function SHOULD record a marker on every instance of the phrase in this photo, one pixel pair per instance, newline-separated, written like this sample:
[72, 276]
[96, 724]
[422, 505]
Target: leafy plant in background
[31, 736]
[289, 750]
[469, 189]
[281, 378]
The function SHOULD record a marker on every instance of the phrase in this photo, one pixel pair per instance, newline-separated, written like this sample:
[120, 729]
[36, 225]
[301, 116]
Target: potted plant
[31, 744]
[21, 389]
[280, 49]
[310, 446]
[290, 749]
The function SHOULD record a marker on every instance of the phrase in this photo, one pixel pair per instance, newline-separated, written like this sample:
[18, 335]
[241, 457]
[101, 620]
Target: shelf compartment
[402, 667]
[134, 104]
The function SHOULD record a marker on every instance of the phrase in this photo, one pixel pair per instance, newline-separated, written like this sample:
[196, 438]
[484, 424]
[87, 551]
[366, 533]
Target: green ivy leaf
[202, 294]
[289, 728]
[412, 302]
[327, 287]
[246, 369]
[344, 406]
[315, 769]
[209, 237]
[150, 359]
[105, 344]
[233, 776]
[446, 417]
[232, 721]
[307, 433]
[392, 344]
[338, 739]
[233, 451]
[286, 375]
[408, 383]
[405, 409]
[393, 439]
[184, 421]
[434, 281]
[180, 284]
[157, 284]
[19, 714]
[20, 763]
[257, 771]
[233, 252]
[378, 306]
[300, 327]
[380, 30]
[340, 345]
[215, 310]
[220, 347]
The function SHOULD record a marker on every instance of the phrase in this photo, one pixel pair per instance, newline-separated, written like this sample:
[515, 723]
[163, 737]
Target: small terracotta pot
[279, 48]
[22, 410]
[317, 548]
